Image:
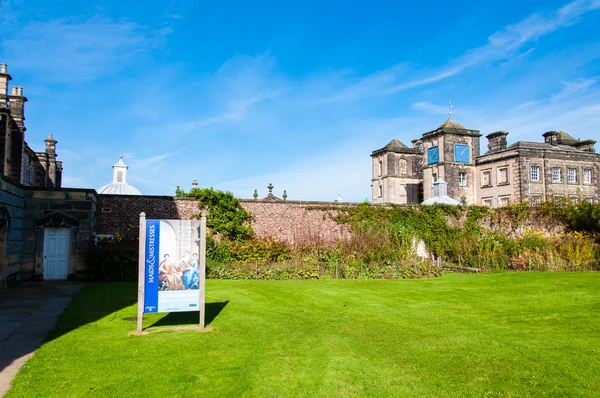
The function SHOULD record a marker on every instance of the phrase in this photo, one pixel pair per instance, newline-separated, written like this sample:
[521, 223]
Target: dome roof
[119, 188]
[443, 199]
[440, 192]
[119, 184]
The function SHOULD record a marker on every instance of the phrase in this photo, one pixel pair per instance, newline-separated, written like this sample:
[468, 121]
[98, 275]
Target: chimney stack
[50, 146]
[497, 141]
[551, 137]
[17, 106]
[4, 79]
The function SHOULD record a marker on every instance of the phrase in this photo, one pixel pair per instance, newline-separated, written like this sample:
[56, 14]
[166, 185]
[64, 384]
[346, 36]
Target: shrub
[111, 261]
[226, 216]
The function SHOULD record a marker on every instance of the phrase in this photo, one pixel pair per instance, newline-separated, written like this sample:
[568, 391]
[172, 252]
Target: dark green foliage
[111, 260]
[226, 216]
[584, 217]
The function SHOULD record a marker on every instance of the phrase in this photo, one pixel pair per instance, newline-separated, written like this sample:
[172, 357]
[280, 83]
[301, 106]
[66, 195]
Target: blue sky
[240, 94]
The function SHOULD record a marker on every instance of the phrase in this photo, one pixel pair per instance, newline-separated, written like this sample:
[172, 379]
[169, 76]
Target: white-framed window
[503, 201]
[486, 178]
[535, 173]
[502, 175]
[536, 200]
[462, 179]
[587, 176]
[573, 199]
[572, 175]
[380, 190]
[486, 202]
[103, 238]
[556, 175]
[589, 200]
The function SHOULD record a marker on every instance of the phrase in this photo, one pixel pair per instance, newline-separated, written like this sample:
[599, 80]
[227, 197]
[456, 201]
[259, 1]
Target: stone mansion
[559, 167]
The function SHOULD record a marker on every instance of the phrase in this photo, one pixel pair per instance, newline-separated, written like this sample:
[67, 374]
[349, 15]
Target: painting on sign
[172, 273]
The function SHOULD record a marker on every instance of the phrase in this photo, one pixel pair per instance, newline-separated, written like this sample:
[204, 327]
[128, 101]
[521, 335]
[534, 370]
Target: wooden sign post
[202, 278]
[141, 271]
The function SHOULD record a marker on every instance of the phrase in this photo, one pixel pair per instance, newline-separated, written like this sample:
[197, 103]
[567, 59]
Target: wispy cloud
[501, 45]
[570, 87]
[71, 50]
[236, 110]
[430, 108]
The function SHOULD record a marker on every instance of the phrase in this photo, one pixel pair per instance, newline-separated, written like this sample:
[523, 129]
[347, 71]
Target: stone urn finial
[195, 183]
[255, 195]
[284, 195]
[270, 188]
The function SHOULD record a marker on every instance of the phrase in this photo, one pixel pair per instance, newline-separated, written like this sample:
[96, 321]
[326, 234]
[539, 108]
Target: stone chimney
[497, 141]
[4, 79]
[551, 137]
[17, 106]
[52, 172]
[440, 188]
[50, 146]
[59, 171]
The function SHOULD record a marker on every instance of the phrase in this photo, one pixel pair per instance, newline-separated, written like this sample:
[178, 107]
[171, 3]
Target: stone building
[559, 167]
[397, 173]
[44, 228]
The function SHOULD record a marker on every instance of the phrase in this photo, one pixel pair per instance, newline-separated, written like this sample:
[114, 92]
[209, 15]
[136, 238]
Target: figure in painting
[190, 273]
[169, 275]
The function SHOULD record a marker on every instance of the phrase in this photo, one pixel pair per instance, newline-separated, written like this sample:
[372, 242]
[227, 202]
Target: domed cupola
[119, 184]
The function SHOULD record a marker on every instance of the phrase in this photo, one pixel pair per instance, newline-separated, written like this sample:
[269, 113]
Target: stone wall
[25, 212]
[290, 221]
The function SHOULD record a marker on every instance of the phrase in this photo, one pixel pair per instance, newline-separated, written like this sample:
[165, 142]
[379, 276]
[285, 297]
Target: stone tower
[449, 153]
[396, 174]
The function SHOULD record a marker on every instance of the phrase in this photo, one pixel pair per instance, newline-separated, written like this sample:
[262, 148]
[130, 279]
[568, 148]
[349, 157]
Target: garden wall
[288, 221]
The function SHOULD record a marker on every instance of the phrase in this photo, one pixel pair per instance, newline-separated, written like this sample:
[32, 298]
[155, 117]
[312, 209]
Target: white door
[56, 253]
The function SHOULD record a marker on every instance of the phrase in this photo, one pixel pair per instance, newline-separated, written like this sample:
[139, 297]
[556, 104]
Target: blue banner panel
[151, 282]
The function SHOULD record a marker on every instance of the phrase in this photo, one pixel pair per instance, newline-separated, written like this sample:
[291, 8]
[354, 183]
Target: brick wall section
[121, 213]
[295, 222]
[290, 221]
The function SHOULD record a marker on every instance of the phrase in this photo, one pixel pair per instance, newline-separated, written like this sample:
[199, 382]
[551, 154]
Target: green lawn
[484, 335]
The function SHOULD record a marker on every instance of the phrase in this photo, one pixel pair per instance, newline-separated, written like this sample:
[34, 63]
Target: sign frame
[142, 271]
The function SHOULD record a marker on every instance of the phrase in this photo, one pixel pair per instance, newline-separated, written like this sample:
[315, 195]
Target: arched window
[402, 167]
[119, 176]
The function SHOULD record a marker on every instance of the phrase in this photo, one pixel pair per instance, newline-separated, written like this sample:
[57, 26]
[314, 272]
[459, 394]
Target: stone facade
[559, 167]
[397, 173]
[32, 201]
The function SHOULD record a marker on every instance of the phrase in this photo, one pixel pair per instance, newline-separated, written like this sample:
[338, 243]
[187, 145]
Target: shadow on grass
[212, 310]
